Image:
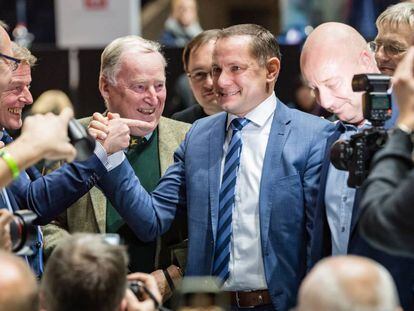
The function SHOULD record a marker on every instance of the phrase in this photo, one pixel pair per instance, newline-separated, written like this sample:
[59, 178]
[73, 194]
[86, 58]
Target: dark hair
[263, 43]
[85, 273]
[196, 42]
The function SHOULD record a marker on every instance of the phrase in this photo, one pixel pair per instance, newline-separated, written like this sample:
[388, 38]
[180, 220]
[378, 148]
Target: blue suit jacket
[288, 189]
[50, 195]
[402, 269]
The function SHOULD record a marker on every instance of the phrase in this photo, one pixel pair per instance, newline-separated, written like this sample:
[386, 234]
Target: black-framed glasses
[199, 75]
[11, 61]
[389, 49]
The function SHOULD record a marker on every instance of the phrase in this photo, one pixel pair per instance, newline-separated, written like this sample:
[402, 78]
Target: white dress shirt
[246, 260]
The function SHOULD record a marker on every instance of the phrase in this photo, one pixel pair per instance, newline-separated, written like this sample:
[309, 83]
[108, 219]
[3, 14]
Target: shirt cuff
[110, 162]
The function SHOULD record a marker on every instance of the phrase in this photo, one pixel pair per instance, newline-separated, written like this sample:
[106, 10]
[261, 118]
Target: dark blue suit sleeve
[50, 195]
[148, 215]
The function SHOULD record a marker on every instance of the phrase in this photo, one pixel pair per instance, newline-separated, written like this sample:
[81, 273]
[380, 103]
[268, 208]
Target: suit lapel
[166, 146]
[215, 153]
[277, 138]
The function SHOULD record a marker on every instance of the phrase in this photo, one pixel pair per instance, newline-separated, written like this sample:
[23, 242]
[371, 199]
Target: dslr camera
[23, 233]
[355, 155]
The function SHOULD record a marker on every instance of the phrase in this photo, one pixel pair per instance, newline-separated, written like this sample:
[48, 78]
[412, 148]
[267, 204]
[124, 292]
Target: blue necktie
[226, 201]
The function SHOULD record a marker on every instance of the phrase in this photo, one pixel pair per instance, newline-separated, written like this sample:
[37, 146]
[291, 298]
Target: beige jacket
[88, 214]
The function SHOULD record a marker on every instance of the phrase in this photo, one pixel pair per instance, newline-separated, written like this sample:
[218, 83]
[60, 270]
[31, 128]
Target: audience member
[132, 83]
[85, 272]
[329, 73]
[51, 101]
[345, 283]
[182, 24]
[197, 60]
[18, 286]
[387, 220]
[262, 257]
[46, 196]
[395, 33]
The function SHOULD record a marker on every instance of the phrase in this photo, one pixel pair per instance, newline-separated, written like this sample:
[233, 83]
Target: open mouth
[146, 111]
[15, 111]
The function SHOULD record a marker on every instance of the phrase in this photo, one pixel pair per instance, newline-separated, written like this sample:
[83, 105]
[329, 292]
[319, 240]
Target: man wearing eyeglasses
[395, 33]
[197, 60]
[329, 72]
[46, 196]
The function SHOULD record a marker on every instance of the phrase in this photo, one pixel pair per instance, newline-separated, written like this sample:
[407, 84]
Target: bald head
[18, 287]
[345, 283]
[332, 54]
[333, 39]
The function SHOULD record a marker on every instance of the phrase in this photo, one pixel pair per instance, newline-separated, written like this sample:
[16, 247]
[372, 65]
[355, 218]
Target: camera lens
[341, 153]
[23, 232]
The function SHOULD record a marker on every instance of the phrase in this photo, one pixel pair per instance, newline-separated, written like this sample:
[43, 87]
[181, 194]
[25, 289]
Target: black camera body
[355, 155]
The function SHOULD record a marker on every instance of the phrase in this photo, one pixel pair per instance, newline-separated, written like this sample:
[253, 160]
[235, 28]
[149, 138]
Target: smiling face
[16, 97]
[240, 82]
[199, 68]
[398, 40]
[140, 90]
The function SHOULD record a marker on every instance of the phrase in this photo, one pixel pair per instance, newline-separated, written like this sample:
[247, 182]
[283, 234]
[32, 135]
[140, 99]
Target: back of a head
[18, 286]
[85, 273]
[51, 101]
[348, 283]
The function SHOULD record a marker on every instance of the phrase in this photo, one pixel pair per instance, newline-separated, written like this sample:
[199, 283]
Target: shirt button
[344, 199]
[343, 229]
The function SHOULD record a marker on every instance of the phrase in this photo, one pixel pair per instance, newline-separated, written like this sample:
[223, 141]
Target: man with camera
[387, 220]
[329, 72]
[50, 195]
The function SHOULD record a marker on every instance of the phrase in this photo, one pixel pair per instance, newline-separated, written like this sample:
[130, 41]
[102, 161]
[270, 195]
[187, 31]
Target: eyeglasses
[199, 75]
[11, 61]
[389, 49]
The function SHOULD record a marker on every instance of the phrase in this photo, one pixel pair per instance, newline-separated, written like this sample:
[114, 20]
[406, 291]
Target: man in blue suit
[331, 56]
[247, 179]
[50, 195]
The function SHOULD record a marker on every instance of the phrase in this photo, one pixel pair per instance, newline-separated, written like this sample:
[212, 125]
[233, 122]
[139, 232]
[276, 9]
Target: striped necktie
[226, 201]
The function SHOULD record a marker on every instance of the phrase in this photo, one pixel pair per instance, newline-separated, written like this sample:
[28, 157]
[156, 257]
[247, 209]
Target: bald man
[345, 283]
[18, 287]
[331, 56]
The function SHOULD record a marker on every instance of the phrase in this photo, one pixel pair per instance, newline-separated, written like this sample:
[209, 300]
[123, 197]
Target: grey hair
[395, 15]
[23, 54]
[112, 55]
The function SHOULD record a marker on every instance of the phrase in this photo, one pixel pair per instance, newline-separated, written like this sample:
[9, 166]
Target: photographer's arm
[387, 204]
[43, 137]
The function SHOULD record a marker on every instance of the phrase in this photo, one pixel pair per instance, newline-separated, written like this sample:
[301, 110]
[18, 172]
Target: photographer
[45, 196]
[388, 200]
[329, 72]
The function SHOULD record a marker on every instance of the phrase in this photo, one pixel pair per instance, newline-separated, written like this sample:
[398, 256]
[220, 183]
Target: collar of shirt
[259, 115]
